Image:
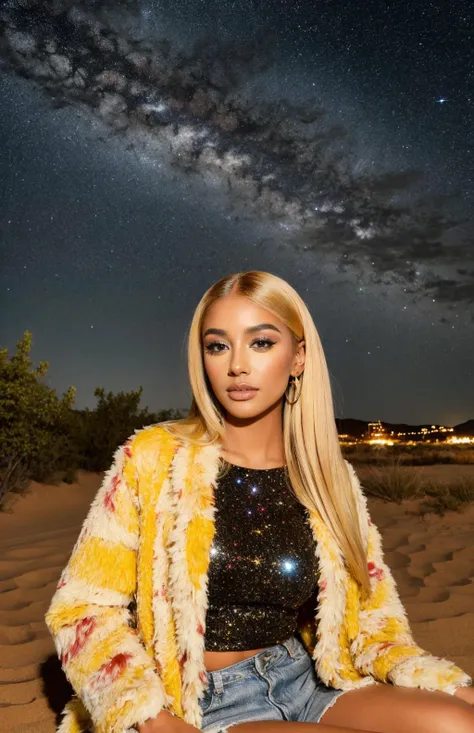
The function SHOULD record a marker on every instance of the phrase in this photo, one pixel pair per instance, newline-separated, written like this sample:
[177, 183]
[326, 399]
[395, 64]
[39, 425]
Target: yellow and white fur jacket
[128, 615]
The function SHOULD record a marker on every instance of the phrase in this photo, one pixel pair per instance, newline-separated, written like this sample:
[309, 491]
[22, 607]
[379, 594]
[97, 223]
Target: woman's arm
[384, 647]
[100, 651]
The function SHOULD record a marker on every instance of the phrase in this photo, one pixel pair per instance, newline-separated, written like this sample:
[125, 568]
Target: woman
[228, 573]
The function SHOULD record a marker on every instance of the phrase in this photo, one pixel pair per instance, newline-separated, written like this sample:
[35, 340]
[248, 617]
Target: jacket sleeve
[384, 647]
[111, 672]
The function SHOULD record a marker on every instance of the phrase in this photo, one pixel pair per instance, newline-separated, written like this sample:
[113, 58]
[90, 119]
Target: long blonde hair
[318, 474]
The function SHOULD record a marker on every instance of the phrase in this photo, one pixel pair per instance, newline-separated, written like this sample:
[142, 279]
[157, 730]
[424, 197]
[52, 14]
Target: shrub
[453, 497]
[41, 434]
[392, 483]
[33, 419]
[408, 455]
[396, 483]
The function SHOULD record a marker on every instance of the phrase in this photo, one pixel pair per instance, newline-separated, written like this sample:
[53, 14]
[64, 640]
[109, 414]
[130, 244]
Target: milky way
[283, 161]
[150, 147]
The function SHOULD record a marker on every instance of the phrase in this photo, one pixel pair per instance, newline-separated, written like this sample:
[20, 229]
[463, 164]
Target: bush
[407, 455]
[33, 419]
[41, 435]
[99, 432]
[397, 483]
[453, 497]
[392, 483]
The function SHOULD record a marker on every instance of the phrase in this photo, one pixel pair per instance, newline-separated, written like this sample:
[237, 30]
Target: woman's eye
[265, 342]
[210, 347]
[261, 343]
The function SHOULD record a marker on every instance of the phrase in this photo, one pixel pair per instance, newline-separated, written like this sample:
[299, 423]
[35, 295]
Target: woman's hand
[166, 722]
[465, 693]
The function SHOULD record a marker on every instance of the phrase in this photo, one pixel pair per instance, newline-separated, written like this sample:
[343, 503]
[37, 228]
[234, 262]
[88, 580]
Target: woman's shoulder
[168, 434]
[151, 438]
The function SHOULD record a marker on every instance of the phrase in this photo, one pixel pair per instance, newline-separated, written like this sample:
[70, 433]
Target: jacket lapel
[164, 637]
[331, 599]
[337, 611]
[192, 485]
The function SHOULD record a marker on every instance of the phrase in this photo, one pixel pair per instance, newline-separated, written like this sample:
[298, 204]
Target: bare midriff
[214, 661]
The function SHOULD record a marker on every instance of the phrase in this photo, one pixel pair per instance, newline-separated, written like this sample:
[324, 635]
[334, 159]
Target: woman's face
[243, 343]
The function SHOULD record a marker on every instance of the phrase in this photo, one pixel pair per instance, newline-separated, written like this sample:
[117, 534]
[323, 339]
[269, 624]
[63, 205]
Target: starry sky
[150, 147]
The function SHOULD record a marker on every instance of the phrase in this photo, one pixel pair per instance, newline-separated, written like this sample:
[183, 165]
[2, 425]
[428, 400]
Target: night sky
[147, 149]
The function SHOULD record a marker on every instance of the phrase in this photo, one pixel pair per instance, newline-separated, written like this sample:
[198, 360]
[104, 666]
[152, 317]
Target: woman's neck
[255, 443]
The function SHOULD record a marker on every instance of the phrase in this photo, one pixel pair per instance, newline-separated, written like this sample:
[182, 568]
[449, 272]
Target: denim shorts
[278, 683]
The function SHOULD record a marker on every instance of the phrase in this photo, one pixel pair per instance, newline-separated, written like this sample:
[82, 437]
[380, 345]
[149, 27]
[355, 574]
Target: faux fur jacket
[128, 615]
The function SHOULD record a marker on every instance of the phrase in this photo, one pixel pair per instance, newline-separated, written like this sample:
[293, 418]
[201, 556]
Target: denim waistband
[266, 658]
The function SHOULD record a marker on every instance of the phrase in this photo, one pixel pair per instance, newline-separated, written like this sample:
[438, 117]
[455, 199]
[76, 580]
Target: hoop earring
[294, 385]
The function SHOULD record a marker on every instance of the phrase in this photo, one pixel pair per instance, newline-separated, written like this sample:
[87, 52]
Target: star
[318, 219]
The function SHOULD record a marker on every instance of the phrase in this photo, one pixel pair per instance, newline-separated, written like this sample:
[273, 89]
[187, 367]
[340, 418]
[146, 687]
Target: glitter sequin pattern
[263, 565]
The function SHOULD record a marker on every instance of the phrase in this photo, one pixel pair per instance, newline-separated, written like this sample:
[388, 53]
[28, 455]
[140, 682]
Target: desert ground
[432, 559]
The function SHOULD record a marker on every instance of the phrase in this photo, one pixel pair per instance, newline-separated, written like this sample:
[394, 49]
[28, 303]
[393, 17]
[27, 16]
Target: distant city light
[377, 435]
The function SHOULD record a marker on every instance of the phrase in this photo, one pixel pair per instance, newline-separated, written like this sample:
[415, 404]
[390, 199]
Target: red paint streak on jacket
[83, 630]
[109, 497]
[374, 571]
[109, 671]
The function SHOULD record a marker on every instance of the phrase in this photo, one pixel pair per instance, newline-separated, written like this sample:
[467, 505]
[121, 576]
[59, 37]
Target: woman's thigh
[388, 709]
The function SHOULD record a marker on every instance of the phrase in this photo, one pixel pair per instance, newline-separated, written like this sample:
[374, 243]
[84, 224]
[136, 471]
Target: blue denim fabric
[279, 683]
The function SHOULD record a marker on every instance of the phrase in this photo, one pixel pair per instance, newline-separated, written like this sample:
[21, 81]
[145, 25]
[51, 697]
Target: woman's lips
[242, 394]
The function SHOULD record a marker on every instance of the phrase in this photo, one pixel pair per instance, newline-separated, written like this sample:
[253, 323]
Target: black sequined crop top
[263, 565]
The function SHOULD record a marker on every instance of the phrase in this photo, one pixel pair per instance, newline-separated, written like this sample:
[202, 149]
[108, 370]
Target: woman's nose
[239, 362]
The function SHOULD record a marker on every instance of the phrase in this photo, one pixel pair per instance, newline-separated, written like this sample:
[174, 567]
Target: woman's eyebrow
[250, 329]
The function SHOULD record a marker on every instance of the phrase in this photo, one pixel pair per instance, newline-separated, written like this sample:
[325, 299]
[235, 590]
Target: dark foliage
[42, 438]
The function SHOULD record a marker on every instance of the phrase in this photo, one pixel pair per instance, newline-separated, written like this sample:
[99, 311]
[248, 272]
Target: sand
[432, 560]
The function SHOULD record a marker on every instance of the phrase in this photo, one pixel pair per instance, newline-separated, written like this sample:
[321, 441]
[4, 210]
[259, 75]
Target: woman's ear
[300, 356]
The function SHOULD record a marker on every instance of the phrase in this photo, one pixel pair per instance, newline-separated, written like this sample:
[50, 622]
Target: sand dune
[37, 533]
[432, 561]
